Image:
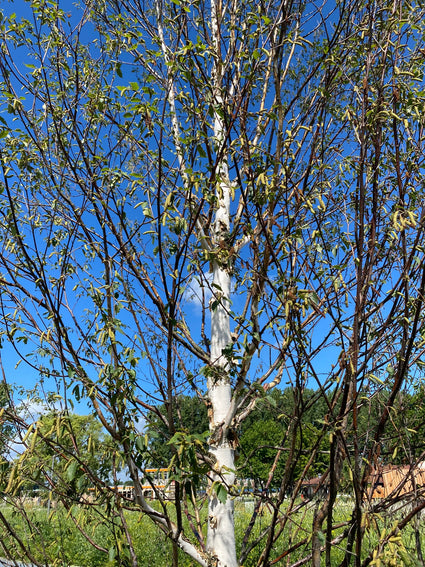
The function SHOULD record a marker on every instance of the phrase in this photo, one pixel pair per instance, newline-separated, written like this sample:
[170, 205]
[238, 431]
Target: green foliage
[190, 423]
[6, 423]
[277, 427]
[68, 451]
[57, 536]
[264, 433]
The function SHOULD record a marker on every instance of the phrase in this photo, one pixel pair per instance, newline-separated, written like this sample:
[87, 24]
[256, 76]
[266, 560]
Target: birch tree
[217, 199]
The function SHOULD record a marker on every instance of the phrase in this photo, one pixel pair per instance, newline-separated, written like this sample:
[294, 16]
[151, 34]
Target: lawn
[53, 537]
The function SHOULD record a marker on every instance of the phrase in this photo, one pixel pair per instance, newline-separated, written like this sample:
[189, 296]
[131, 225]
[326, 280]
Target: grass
[54, 539]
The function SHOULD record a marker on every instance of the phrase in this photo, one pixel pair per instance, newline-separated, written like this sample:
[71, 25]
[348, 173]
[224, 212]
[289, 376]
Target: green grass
[54, 538]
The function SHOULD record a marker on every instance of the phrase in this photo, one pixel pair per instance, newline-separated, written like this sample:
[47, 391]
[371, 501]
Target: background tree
[265, 434]
[265, 158]
[69, 453]
[190, 416]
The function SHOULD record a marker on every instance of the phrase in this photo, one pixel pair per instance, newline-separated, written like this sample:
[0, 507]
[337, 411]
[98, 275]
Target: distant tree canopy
[265, 437]
[71, 452]
[189, 416]
[6, 416]
[265, 433]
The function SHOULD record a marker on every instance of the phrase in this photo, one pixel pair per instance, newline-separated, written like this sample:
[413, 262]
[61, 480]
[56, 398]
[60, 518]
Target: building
[395, 480]
[155, 483]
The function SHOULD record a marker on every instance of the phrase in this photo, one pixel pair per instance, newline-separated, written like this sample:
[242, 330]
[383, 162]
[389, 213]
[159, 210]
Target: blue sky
[24, 375]
[324, 360]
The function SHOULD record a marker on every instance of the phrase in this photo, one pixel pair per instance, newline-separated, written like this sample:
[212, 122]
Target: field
[52, 537]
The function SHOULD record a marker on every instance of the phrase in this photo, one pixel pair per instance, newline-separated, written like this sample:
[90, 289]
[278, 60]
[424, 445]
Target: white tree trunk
[221, 530]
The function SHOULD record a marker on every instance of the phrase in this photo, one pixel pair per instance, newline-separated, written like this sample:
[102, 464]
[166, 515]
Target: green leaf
[112, 554]
[71, 470]
[221, 492]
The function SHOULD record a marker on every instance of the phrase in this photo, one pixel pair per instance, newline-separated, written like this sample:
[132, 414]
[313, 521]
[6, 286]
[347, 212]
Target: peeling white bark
[221, 545]
[221, 530]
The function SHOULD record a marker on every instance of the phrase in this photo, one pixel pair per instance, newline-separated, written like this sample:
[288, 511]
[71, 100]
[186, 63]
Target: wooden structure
[397, 480]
